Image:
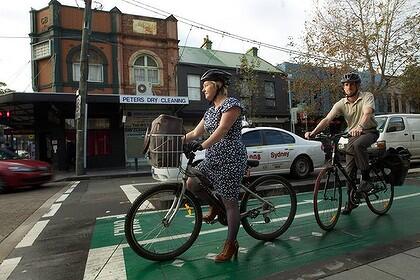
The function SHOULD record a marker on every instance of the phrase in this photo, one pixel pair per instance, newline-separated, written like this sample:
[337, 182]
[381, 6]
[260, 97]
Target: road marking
[130, 191]
[33, 234]
[106, 263]
[7, 267]
[72, 187]
[53, 209]
[62, 197]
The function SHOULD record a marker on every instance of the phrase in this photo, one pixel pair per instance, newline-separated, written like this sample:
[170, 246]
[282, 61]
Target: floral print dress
[225, 161]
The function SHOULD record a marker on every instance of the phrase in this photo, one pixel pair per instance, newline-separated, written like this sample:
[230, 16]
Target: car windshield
[381, 123]
[5, 154]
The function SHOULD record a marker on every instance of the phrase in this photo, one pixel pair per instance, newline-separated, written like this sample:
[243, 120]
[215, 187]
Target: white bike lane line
[8, 265]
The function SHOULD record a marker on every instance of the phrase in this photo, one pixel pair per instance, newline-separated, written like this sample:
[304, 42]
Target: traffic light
[5, 117]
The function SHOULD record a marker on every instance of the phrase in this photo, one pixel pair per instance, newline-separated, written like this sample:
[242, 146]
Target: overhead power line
[225, 33]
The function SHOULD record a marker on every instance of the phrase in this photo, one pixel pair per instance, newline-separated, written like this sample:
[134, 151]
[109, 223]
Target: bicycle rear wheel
[262, 220]
[146, 227]
[327, 198]
[380, 198]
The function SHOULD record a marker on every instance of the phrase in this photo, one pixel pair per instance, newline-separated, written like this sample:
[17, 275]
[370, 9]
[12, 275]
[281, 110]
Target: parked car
[16, 172]
[398, 131]
[277, 150]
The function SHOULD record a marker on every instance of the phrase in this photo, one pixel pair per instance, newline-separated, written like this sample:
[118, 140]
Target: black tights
[233, 218]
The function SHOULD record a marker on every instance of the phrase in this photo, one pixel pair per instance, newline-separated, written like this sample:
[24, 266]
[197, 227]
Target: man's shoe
[348, 208]
[365, 186]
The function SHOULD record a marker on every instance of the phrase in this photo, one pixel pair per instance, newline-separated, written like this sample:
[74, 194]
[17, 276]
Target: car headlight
[20, 169]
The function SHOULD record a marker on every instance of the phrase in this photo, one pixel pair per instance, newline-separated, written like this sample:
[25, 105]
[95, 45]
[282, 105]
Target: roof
[192, 55]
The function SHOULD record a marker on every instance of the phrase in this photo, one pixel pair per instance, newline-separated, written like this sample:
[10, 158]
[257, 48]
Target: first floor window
[194, 87]
[95, 73]
[269, 93]
[146, 70]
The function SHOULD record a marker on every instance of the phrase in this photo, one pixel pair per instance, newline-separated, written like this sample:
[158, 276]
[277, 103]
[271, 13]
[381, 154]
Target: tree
[410, 83]
[247, 85]
[4, 89]
[380, 36]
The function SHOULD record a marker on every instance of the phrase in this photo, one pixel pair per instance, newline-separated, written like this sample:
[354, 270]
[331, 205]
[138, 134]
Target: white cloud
[268, 21]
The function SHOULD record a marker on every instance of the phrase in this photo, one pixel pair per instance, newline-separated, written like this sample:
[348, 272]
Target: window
[269, 93]
[252, 138]
[96, 72]
[273, 137]
[395, 124]
[146, 70]
[194, 87]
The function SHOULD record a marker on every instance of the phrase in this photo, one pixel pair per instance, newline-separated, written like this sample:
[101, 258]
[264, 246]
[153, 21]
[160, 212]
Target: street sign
[78, 106]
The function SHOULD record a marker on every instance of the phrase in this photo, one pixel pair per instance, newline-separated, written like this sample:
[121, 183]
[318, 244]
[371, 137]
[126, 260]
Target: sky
[269, 21]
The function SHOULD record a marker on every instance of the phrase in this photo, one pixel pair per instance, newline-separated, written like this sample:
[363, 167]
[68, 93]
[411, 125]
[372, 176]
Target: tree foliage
[410, 83]
[248, 85]
[380, 36]
[4, 89]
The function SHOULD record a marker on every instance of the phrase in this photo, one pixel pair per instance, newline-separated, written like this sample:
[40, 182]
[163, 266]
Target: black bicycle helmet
[351, 77]
[216, 75]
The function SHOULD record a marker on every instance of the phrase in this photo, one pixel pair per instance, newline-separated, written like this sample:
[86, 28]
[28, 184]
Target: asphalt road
[74, 230]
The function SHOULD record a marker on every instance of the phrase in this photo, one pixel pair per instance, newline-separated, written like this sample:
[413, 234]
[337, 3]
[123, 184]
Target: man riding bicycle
[357, 108]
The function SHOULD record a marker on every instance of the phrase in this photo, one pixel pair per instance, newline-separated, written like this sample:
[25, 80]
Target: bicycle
[328, 188]
[165, 221]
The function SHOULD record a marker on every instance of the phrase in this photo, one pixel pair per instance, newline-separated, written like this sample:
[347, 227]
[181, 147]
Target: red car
[16, 172]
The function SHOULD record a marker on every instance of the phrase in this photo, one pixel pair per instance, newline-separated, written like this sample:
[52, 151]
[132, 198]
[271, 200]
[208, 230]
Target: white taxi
[277, 150]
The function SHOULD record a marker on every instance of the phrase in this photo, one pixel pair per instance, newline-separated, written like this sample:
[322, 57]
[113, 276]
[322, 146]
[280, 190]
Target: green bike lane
[303, 243]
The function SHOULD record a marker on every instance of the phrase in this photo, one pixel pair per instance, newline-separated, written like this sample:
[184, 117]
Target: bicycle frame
[176, 203]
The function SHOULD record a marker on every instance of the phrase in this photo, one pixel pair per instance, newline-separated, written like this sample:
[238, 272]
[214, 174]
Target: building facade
[269, 106]
[129, 55]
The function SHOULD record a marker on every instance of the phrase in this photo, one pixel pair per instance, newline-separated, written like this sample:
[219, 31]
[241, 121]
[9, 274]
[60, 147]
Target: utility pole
[81, 112]
[292, 123]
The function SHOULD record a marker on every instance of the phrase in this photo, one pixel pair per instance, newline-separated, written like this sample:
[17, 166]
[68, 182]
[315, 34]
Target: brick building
[128, 55]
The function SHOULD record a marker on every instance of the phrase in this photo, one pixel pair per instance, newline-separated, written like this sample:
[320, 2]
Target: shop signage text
[136, 99]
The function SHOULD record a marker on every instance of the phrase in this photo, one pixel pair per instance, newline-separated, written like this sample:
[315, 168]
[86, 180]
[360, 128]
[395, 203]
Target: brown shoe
[229, 250]
[211, 215]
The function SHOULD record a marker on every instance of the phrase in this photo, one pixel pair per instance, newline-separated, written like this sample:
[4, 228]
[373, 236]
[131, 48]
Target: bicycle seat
[252, 163]
[197, 173]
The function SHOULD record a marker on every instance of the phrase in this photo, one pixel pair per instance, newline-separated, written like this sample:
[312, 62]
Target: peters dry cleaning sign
[152, 99]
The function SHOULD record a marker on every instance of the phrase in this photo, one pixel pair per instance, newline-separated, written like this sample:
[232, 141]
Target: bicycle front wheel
[379, 199]
[148, 230]
[327, 198]
[268, 216]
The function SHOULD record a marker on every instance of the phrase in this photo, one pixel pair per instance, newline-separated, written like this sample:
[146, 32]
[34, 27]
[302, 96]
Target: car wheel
[3, 187]
[301, 167]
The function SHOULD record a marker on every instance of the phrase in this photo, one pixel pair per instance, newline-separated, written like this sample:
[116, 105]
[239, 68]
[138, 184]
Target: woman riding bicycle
[357, 107]
[225, 159]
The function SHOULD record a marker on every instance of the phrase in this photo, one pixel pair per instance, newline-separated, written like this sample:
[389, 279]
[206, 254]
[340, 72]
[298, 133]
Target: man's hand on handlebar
[309, 135]
[356, 131]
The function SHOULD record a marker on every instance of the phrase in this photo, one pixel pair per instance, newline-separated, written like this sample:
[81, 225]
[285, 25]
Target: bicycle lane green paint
[303, 243]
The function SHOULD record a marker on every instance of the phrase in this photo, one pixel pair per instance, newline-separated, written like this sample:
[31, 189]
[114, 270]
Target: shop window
[146, 70]
[194, 92]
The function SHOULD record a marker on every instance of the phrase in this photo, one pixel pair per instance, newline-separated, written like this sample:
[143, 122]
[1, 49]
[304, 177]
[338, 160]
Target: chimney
[207, 43]
[253, 51]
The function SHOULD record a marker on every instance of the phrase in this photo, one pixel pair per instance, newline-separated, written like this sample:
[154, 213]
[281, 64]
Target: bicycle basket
[165, 150]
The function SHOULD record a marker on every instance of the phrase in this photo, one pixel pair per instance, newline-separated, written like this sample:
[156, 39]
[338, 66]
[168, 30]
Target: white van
[400, 131]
